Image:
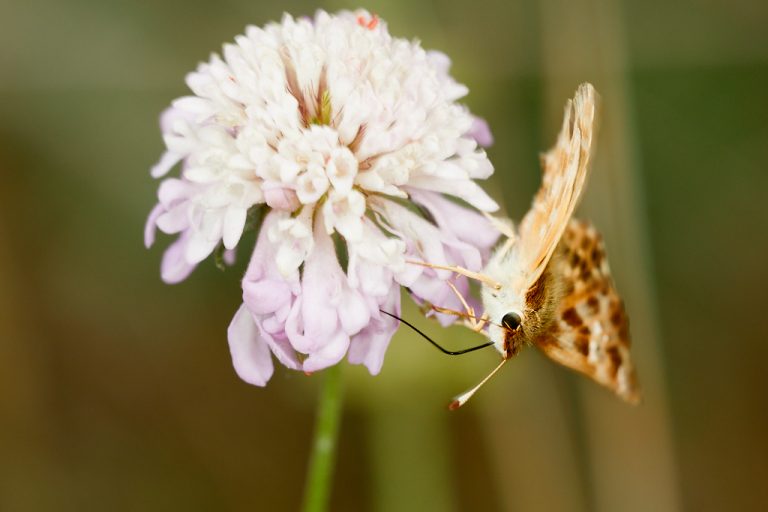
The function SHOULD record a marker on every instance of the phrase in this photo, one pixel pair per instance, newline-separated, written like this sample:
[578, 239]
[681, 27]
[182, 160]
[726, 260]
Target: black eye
[511, 321]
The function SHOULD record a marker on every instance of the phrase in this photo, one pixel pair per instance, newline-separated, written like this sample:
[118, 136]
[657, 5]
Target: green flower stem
[320, 473]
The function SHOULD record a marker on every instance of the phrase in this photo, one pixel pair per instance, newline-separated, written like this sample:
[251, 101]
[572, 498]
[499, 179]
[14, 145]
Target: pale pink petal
[369, 345]
[371, 279]
[275, 335]
[266, 295]
[353, 312]
[293, 238]
[440, 61]
[264, 289]
[481, 132]
[465, 224]
[424, 240]
[165, 164]
[200, 108]
[451, 89]
[151, 226]
[170, 115]
[466, 189]
[174, 220]
[331, 352]
[477, 165]
[202, 175]
[467, 255]
[272, 325]
[273, 331]
[250, 352]
[284, 352]
[234, 222]
[199, 246]
[281, 198]
[321, 288]
[172, 190]
[294, 327]
[342, 169]
[174, 267]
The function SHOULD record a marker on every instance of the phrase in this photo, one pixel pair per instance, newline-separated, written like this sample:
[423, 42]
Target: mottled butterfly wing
[590, 333]
[565, 169]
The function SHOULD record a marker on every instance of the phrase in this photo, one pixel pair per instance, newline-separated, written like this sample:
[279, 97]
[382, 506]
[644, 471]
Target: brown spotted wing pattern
[590, 333]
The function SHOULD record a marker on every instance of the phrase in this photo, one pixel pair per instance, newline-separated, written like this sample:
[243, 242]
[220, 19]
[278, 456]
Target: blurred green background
[117, 391]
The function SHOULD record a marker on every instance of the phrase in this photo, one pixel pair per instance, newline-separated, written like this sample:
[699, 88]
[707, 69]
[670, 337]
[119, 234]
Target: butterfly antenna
[433, 342]
[464, 397]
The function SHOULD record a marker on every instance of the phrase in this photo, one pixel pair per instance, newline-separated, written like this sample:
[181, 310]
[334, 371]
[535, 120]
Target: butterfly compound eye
[511, 321]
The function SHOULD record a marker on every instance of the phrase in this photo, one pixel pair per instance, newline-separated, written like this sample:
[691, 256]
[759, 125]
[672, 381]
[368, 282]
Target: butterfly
[549, 285]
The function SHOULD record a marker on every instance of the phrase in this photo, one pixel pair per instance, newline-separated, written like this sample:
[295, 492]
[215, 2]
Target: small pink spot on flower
[369, 24]
[308, 374]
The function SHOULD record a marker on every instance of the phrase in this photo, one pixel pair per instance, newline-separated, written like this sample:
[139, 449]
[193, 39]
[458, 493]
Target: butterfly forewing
[565, 168]
[590, 333]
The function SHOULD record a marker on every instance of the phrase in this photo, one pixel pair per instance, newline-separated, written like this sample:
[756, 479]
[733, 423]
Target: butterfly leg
[446, 311]
[461, 271]
[474, 323]
[470, 322]
[469, 317]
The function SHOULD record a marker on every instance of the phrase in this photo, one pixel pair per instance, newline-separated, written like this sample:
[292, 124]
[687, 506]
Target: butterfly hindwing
[590, 333]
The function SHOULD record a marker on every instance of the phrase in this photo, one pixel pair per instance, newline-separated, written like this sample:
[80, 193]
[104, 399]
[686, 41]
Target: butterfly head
[512, 335]
[511, 321]
[508, 333]
[506, 319]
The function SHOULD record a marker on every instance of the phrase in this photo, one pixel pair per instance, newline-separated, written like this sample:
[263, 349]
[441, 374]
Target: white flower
[326, 121]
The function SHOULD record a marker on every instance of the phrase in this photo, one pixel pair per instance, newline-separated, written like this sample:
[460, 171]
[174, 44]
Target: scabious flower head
[348, 138]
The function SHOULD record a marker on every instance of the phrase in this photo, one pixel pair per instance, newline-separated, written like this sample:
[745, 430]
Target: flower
[349, 138]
